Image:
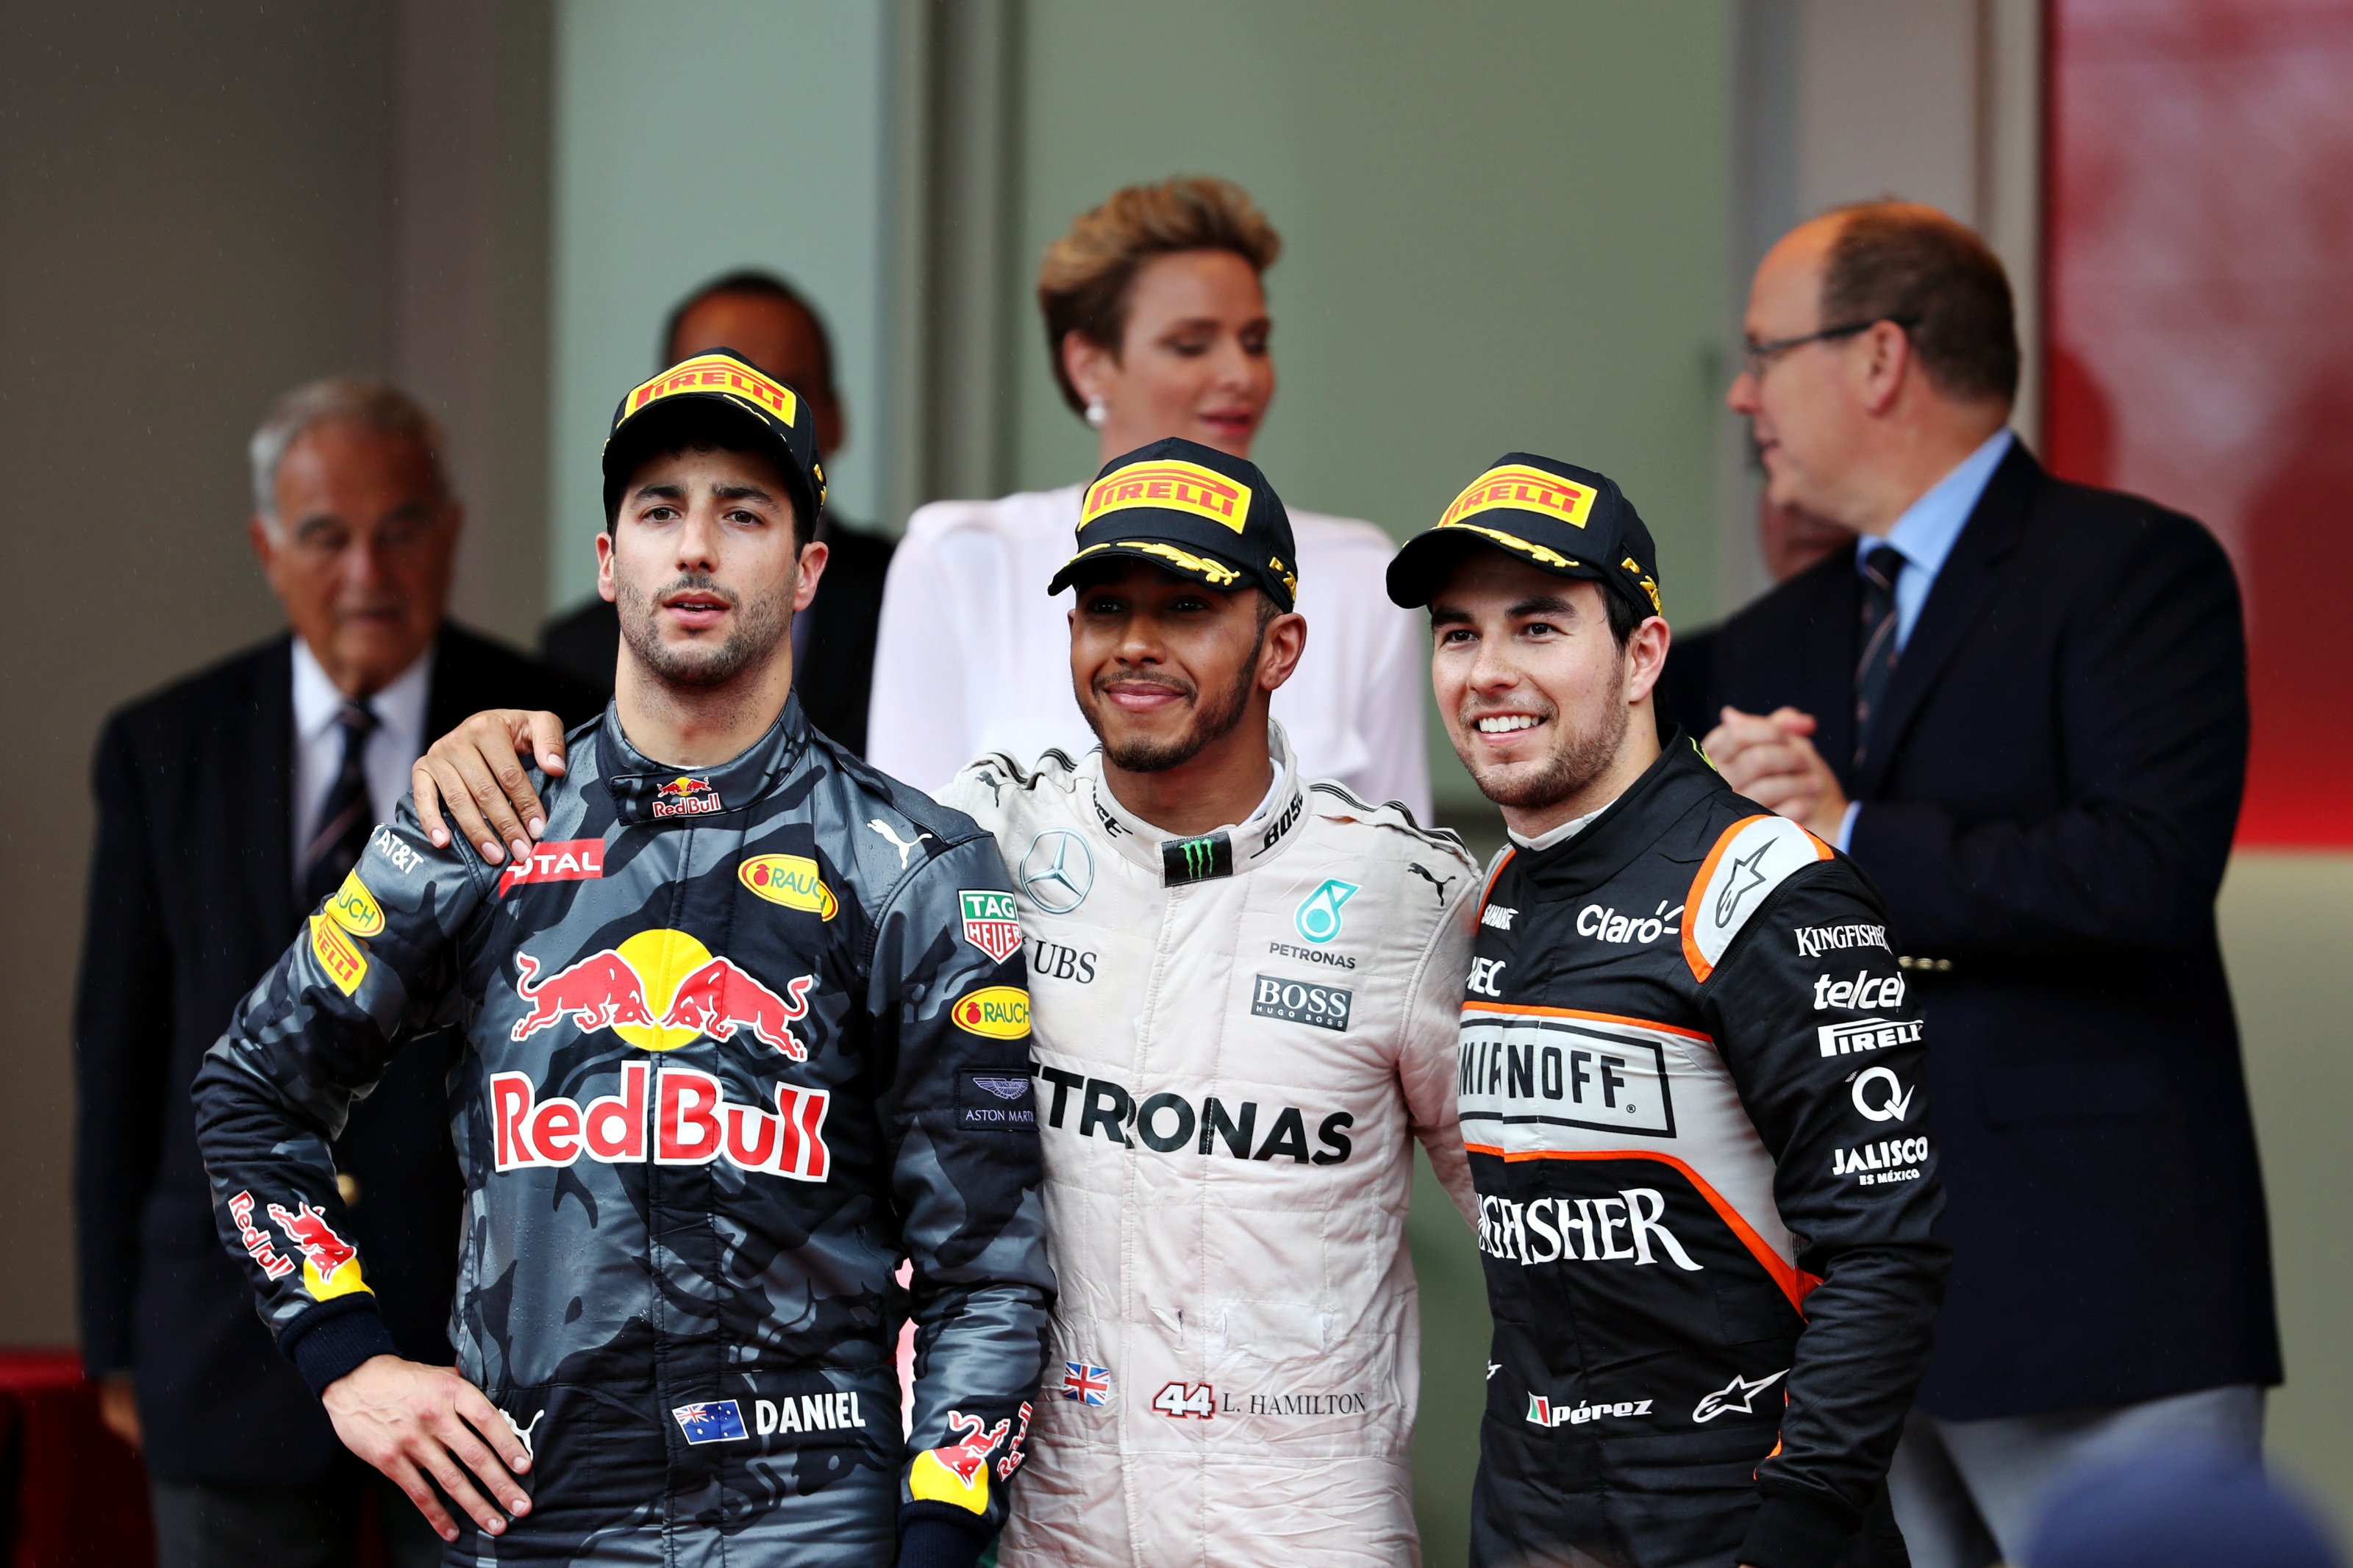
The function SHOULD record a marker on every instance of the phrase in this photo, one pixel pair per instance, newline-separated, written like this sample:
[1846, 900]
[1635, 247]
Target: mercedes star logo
[1058, 872]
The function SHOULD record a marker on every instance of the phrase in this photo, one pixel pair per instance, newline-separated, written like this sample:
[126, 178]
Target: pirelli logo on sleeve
[717, 373]
[1172, 485]
[1522, 490]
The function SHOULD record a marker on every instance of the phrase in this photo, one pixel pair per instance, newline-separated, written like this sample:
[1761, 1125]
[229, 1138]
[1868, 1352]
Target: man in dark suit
[2020, 705]
[230, 805]
[1790, 542]
[766, 320]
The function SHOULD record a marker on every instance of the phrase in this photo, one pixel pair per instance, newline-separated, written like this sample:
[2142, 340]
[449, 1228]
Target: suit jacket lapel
[1829, 692]
[269, 793]
[1963, 589]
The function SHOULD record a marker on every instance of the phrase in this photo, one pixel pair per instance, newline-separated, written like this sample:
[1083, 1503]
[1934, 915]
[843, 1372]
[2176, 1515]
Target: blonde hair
[1084, 281]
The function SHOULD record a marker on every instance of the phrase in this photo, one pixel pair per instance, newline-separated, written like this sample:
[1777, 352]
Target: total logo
[1318, 916]
[659, 990]
[560, 860]
[686, 797]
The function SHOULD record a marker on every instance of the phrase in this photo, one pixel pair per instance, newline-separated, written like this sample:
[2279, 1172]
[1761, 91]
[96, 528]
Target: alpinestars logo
[1739, 1395]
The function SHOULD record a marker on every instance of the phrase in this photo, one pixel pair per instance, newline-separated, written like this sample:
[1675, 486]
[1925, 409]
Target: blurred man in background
[228, 806]
[2020, 705]
[1790, 542]
[766, 320]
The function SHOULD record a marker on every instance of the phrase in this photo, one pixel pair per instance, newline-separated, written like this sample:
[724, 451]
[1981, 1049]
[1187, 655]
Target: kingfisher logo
[686, 797]
[1169, 485]
[659, 990]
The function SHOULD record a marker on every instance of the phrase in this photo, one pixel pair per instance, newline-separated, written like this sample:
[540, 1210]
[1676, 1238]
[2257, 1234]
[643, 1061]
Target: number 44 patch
[1180, 1400]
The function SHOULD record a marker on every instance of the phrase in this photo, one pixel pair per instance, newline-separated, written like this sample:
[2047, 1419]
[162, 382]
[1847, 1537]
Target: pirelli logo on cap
[717, 373]
[1522, 490]
[1171, 484]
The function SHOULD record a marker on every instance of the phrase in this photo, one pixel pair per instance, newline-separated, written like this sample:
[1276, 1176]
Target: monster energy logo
[1183, 860]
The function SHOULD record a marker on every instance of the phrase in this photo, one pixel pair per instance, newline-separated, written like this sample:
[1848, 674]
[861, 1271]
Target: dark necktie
[344, 816]
[1881, 564]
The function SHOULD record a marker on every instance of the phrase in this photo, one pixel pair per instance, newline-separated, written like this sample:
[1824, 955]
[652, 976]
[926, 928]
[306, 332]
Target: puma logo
[905, 846]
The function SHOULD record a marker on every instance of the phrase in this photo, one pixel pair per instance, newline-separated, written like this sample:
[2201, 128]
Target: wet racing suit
[1691, 1085]
[1239, 1037]
[733, 1050]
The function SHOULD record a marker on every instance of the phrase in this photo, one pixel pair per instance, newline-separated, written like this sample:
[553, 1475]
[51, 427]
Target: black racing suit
[1691, 1085]
[736, 1042]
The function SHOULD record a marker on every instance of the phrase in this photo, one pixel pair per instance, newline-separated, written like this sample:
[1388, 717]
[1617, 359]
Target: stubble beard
[759, 627]
[1580, 757]
[1211, 722]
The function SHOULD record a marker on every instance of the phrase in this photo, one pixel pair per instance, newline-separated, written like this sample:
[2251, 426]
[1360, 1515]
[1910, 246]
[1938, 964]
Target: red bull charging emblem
[659, 990]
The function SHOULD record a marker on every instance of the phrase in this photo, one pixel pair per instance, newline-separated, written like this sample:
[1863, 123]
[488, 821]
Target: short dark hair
[1623, 615]
[760, 284]
[1911, 264]
[1083, 284]
[664, 432]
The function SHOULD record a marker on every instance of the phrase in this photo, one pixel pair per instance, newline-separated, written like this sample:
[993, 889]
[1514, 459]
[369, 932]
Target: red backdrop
[2199, 317]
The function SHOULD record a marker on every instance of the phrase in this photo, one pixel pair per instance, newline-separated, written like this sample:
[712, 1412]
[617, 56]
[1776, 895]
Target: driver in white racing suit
[1245, 989]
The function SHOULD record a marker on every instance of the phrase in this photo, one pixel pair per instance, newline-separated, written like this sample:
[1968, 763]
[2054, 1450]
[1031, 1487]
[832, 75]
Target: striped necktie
[344, 816]
[1881, 564]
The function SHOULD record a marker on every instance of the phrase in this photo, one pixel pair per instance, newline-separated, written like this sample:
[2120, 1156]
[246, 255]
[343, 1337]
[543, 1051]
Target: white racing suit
[1237, 1037]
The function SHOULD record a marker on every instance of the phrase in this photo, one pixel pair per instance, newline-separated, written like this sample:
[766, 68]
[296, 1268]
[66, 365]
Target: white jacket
[1230, 1073]
[973, 656]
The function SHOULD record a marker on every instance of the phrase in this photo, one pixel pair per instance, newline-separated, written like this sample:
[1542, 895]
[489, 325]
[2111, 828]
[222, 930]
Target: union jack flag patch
[1088, 1384]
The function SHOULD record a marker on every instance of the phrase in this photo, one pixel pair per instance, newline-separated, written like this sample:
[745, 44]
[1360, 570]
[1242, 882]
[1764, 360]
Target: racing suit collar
[1677, 782]
[645, 791]
[1205, 857]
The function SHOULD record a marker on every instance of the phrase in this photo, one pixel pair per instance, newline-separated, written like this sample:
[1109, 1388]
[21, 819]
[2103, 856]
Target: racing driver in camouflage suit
[733, 1051]
[1691, 1088]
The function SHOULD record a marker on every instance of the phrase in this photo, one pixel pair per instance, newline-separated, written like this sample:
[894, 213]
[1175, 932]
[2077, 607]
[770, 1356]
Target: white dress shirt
[393, 748]
[974, 656]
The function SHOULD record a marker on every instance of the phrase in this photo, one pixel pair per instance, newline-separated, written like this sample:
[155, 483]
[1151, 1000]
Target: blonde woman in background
[1156, 326]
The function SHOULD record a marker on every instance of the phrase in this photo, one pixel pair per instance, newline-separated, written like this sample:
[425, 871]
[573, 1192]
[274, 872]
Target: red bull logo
[686, 797]
[958, 1473]
[326, 1257]
[659, 990]
[690, 1119]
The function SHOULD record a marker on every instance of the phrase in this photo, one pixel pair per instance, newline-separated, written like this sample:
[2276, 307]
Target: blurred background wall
[1508, 222]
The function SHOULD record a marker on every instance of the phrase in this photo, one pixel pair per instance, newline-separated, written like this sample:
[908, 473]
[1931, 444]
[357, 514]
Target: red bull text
[685, 796]
[258, 1245]
[675, 1117]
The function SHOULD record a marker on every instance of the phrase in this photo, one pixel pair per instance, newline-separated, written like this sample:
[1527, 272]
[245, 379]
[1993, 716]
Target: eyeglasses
[1756, 358]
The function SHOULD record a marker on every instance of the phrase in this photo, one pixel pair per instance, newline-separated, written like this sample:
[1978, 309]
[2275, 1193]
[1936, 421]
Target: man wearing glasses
[2021, 705]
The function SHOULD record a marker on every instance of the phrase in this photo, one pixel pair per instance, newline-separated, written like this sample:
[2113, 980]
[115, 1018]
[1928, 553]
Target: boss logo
[1301, 1002]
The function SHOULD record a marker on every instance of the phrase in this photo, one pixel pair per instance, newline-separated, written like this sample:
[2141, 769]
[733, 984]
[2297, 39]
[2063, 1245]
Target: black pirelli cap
[1554, 516]
[717, 384]
[1191, 510]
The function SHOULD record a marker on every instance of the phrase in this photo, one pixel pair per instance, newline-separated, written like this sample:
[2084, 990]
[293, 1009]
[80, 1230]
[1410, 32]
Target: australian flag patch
[719, 1421]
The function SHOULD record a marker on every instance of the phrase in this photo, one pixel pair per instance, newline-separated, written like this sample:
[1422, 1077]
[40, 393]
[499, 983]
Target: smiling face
[1193, 362]
[1539, 698]
[701, 564]
[360, 550]
[1165, 668]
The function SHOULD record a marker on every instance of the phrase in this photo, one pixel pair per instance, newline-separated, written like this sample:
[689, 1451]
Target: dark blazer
[2048, 811]
[191, 901]
[1679, 698]
[833, 682]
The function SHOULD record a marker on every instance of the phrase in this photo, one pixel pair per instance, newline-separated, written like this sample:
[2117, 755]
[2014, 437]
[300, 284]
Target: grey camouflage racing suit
[735, 1048]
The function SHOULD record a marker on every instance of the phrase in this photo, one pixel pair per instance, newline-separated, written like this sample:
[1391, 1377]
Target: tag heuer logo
[990, 924]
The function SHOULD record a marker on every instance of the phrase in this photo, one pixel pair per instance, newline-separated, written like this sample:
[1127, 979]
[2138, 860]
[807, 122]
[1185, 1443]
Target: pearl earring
[1096, 412]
